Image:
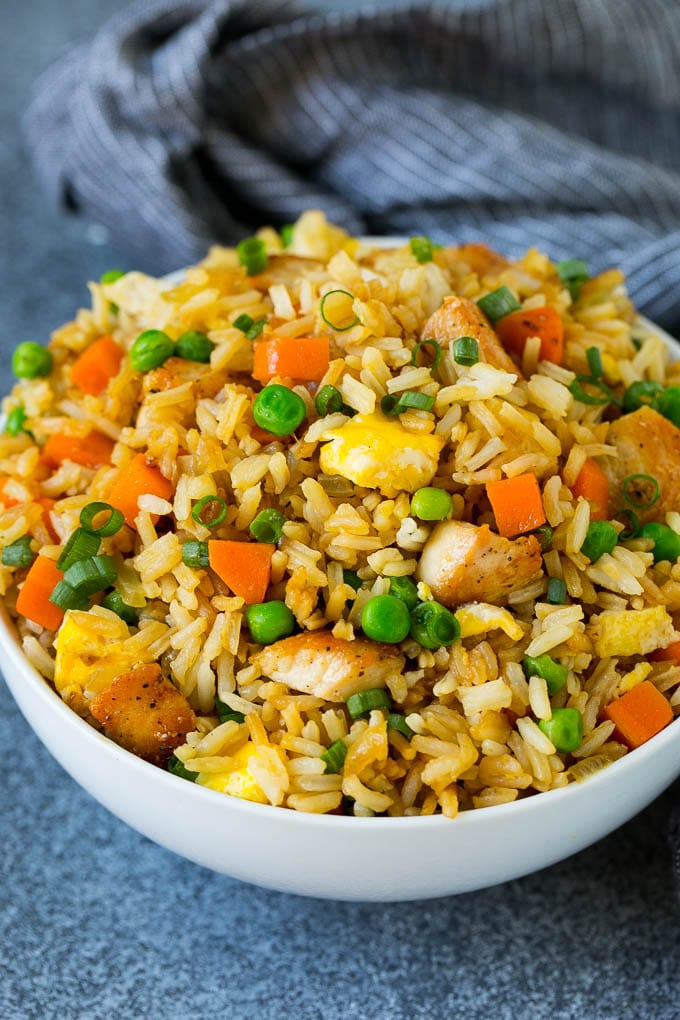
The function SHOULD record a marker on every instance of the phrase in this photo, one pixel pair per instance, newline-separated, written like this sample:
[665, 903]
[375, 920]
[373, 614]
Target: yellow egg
[379, 453]
[91, 653]
[236, 780]
[480, 617]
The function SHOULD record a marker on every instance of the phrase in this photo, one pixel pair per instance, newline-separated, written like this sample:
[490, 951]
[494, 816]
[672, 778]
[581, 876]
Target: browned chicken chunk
[646, 444]
[329, 667]
[459, 316]
[465, 563]
[177, 371]
[143, 712]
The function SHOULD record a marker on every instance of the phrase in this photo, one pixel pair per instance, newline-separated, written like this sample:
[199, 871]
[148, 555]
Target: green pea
[564, 729]
[150, 350]
[385, 618]
[31, 361]
[269, 621]
[666, 541]
[194, 346]
[430, 504]
[278, 410]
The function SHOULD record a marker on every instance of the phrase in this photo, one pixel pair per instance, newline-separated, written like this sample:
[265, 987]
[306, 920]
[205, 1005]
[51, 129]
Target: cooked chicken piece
[461, 317]
[177, 371]
[465, 563]
[329, 667]
[646, 444]
[143, 712]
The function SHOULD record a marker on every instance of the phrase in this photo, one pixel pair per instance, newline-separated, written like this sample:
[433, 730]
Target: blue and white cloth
[519, 122]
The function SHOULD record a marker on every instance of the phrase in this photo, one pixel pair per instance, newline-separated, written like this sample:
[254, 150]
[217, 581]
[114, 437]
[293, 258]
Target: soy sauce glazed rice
[464, 588]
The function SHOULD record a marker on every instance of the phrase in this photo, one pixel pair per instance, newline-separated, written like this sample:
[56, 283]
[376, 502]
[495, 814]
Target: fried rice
[172, 667]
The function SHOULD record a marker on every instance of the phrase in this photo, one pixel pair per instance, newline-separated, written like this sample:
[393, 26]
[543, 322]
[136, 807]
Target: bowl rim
[632, 760]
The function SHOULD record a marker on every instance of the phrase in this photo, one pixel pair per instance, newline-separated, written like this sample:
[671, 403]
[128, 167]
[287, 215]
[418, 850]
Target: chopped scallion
[18, 553]
[398, 723]
[394, 406]
[226, 714]
[268, 526]
[363, 702]
[595, 362]
[113, 523]
[499, 303]
[641, 491]
[209, 511]
[15, 421]
[335, 317]
[195, 554]
[603, 395]
[422, 249]
[465, 350]
[243, 322]
[66, 597]
[335, 756]
[91, 575]
[286, 234]
[82, 545]
[178, 768]
[252, 255]
[114, 602]
[437, 356]
[328, 401]
[557, 591]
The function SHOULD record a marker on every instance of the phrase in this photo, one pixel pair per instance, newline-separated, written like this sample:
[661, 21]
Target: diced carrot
[517, 505]
[545, 323]
[301, 358]
[34, 598]
[46, 503]
[97, 365]
[639, 715]
[93, 450]
[245, 567]
[592, 483]
[138, 479]
[6, 501]
[671, 653]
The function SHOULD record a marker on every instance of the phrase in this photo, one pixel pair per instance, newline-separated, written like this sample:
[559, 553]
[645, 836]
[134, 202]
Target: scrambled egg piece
[633, 632]
[379, 453]
[479, 617]
[91, 653]
[237, 780]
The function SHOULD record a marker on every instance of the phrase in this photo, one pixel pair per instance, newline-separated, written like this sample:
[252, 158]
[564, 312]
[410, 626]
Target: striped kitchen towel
[515, 121]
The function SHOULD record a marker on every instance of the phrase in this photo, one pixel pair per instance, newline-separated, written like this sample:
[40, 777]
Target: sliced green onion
[328, 401]
[339, 326]
[631, 524]
[421, 248]
[279, 410]
[111, 275]
[667, 403]
[434, 626]
[15, 421]
[499, 303]
[398, 723]
[66, 597]
[286, 234]
[31, 361]
[564, 729]
[255, 329]
[595, 362]
[243, 322]
[114, 602]
[636, 342]
[252, 255]
[150, 350]
[431, 504]
[351, 578]
[603, 394]
[194, 346]
[268, 526]
[601, 538]
[195, 554]
[557, 591]
[226, 714]
[394, 406]
[215, 511]
[544, 534]
[269, 621]
[91, 575]
[365, 701]
[573, 272]
[82, 545]
[403, 588]
[335, 756]
[666, 541]
[178, 768]
[437, 357]
[113, 523]
[641, 491]
[638, 393]
[385, 618]
[18, 553]
[554, 673]
[465, 350]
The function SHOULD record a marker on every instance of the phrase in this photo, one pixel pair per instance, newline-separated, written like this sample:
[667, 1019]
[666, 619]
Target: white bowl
[331, 856]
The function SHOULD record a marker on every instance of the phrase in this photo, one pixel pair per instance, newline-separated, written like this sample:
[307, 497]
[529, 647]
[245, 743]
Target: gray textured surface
[97, 922]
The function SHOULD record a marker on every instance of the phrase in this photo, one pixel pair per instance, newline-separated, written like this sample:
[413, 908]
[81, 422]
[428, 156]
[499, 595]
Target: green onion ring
[212, 522]
[632, 480]
[111, 525]
[437, 353]
[338, 329]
